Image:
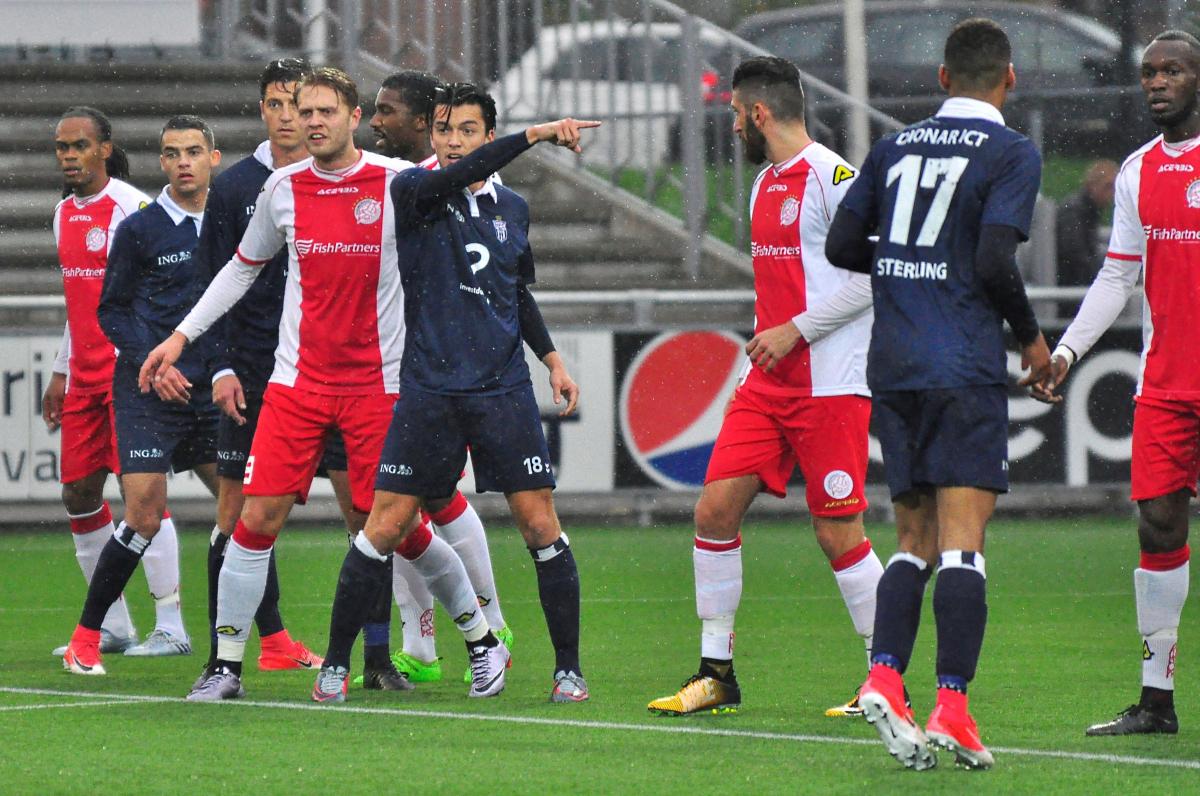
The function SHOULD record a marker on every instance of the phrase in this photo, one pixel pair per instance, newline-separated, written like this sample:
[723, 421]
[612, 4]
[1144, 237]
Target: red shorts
[290, 438]
[89, 436]
[768, 435]
[1166, 447]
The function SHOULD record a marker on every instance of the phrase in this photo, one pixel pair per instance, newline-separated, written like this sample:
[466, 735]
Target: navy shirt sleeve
[115, 313]
[1013, 193]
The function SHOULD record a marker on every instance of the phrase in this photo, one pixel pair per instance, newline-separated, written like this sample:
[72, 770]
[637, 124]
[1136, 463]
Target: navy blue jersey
[927, 191]
[149, 286]
[248, 334]
[462, 258]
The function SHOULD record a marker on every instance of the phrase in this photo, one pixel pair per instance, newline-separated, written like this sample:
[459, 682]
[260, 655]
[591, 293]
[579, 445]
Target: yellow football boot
[700, 694]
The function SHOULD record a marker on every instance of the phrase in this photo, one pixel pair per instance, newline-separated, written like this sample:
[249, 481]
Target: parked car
[626, 74]
[1061, 59]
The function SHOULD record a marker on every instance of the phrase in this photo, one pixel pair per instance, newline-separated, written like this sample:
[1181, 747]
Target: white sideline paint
[95, 703]
[665, 728]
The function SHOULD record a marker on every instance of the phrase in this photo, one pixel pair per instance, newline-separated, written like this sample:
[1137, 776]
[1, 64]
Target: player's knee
[716, 521]
[262, 516]
[1161, 530]
[80, 497]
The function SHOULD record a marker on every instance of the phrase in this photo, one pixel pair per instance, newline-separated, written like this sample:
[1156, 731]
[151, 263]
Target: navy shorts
[426, 446]
[155, 436]
[949, 437]
[233, 443]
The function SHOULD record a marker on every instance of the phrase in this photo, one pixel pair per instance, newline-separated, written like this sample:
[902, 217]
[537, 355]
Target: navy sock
[558, 588]
[267, 617]
[216, 556]
[358, 587]
[377, 630]
[960, 609]
[115, 566]
[898, 611]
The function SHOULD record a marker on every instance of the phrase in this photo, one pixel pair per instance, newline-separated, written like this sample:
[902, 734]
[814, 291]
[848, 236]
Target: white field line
[666, 728]
[95, 703]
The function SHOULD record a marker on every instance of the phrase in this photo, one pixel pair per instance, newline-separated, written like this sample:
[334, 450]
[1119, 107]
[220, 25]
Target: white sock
[88, 545]
[1160, 595]
[718, 571]
[239, 591]
[463, 530]
[415, 602]
[857, 573]
[447, 579]
[161, 563]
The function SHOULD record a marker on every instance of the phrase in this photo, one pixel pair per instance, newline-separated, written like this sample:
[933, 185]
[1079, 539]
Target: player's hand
[1058, 374]
[562, 383]
[564, 132]
[173, 387]
[1035, 358]
[52, 401]
[163, 357]
[765, 349]
[229, 397]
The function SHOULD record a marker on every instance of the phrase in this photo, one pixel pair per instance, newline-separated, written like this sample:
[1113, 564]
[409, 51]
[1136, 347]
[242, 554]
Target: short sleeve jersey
[928, 191]
[342, 327]
[1156, 226]
[791, 207]
[461, 264]
[83, 231]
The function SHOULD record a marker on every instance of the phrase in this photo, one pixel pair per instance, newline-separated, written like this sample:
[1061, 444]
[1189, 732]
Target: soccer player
[1156, 214]
[78, 397]
[148, 285]
[403, 109]
[949, 198]
[247, 339]
[804, 399]
[466, 264]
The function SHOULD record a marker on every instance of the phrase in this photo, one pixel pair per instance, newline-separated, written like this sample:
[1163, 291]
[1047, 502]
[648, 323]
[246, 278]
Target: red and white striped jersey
[1156, 227]
[791, 208]
[342, 329]
[83, 231]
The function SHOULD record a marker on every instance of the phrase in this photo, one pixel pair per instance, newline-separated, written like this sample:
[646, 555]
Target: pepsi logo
[673, 400]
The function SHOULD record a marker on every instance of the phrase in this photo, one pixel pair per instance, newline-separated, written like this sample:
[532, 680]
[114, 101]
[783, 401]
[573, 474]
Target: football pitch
[1061, 652]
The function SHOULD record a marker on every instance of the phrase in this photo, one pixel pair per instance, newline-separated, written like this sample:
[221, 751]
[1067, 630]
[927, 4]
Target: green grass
[1061, 652]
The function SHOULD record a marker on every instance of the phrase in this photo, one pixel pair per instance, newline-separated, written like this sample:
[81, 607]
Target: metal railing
[657, 76]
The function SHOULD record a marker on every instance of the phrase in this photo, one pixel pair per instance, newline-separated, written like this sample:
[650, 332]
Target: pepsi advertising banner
[673, 386]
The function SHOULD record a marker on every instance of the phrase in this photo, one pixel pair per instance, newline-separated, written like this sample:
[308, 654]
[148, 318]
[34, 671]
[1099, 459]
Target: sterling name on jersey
[791, 207]
[342, 328]
[248, 334]
[928, 190]
[1156, 227]
[149, 286]
[83, 230]
[461, 259]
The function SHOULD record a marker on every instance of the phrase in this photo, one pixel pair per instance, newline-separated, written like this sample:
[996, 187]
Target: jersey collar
[263, 155]
[83, 201]
[970, 108]
[177, 213]
[783, 167]
[1177, 148]
[340, 174]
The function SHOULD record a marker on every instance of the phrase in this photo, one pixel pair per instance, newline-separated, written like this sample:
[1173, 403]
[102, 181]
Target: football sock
[857, 573]
[446, 578]
[898, 610]
[161, 564]
[377, 630]
[240, 590]
[718, 570]
[364, 573]
[118, 560]
[90, 532]
[216, 556]
[960, 610]
[558, 589]
[415, 602]
[721, 669]
[267, 618]
[461, 527]
[1160, 585]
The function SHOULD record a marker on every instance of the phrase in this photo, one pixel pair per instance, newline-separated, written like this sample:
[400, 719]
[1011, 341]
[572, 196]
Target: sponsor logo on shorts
[95, 239]
[837, 504]
[396, 469]
[838, 484]
[145, 453]
[231, 456]
[174, 257]
[368, 211]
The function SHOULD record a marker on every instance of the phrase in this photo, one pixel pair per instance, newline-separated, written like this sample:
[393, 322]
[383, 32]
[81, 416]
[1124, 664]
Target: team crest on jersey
[1193, 194]
[368, 211]
[789, 211]
[95, 239]
[501, 229]
[842, 173]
